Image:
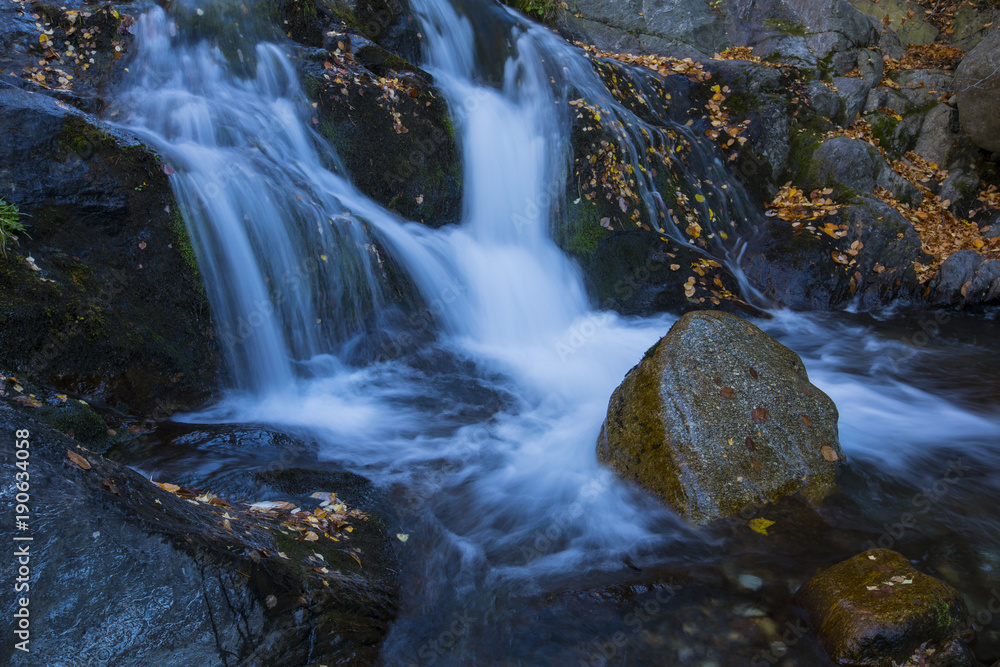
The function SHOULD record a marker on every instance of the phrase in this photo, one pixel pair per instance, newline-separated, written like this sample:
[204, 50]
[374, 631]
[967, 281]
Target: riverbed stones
[719, 416]
[877, 610]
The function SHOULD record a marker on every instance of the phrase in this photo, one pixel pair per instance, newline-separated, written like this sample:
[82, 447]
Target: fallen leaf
[402, 537]
[806, 420]
[760, 525]
[751, 446]
[759, 415]
[310, 536]
[110, 485]
[271, 601]
[829, 453]
[755, 462]
[77, 459]
[728, 392]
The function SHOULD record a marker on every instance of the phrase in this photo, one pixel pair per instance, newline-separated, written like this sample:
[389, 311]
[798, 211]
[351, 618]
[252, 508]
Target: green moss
[793, 28]
[79, 421]
[184, 246]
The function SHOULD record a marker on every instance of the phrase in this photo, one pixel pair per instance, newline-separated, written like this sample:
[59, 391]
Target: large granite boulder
[719, 416]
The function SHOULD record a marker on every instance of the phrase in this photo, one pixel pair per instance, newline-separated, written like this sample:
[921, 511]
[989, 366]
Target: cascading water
[487, 433]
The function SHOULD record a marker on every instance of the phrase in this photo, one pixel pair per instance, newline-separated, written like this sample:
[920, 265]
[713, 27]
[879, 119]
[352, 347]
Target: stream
[481, 426]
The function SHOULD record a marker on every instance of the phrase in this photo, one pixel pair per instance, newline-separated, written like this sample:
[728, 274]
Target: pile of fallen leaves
[792, 205]
[72, 41]
[662, 64]
[329, 520]
[928, 56]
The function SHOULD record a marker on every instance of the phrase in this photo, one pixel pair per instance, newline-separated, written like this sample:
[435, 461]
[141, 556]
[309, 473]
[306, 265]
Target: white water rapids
[490, 426]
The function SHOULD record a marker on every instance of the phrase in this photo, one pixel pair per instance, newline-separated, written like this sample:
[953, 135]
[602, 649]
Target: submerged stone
[876, 609]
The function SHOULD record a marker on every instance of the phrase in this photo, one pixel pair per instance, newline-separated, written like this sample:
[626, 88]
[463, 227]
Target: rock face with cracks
[719, 416]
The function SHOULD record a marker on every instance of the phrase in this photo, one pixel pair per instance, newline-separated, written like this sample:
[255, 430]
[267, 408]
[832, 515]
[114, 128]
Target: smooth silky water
[522, 548]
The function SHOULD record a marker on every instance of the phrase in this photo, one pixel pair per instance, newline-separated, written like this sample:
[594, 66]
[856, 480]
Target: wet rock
[876, 610]
[170, 578]
[814, 271]
[977, 80]
[115, 312]
[853, 93]
[390, 126]
[846, 164]
[952, 278]
[719, 416]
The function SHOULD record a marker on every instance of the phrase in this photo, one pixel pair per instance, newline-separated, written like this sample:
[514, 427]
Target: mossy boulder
[102, 299]
[719, 416]
[877, 610]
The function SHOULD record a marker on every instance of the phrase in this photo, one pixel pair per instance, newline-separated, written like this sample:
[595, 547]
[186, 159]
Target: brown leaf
[829, 453]
[728, 392]
[759, 415]
[750, 444]
[753, 372]
[756, 463]
[805, 389]
[310, 536]
[110, 485]
[77, 459]
[806, 420]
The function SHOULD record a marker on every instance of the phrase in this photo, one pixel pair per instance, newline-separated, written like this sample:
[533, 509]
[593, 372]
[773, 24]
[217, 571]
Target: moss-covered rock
[719, 416]
[877, 610]
[100, 301]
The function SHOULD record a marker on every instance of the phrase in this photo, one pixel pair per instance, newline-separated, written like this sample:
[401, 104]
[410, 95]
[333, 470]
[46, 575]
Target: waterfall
[485, 431]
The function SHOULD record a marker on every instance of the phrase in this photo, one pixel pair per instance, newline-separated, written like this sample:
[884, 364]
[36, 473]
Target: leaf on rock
[759, 415]
[77, 459]
[310, 536]
[110, 485]
[829, 453]
[728, 392]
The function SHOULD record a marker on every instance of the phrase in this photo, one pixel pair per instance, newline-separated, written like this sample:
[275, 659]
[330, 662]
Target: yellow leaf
[760, 525]
[310, 536]
[699, 198]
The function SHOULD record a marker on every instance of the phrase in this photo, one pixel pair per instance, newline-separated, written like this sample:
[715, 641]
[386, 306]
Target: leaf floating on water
[829, 453]
[759, 415]
[760, 525]
[728, 392]
[402, 537]
[77, 459]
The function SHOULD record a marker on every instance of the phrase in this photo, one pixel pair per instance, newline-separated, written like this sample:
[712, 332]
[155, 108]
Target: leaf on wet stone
[829, 453]
[109, 484]
[756, 463]
[77, 459]
[759, 415]
[728, 392]
[310, 536]
[751, 445]
[806, 420]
